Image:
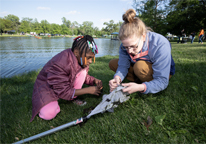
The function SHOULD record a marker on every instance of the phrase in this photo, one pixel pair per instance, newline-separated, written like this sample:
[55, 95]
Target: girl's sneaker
[79, 102]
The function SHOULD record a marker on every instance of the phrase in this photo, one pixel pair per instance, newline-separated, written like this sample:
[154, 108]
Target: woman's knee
[113, 64]
[49, 111]
[143, 70]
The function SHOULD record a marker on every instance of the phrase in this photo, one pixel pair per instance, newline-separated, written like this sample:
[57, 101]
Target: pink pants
[50, 110]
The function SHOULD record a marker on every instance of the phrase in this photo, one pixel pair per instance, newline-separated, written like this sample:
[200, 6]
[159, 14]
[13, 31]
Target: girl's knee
[49, 111]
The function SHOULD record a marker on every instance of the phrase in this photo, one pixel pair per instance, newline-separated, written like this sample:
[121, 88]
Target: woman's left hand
[98, 83]
[132, 87]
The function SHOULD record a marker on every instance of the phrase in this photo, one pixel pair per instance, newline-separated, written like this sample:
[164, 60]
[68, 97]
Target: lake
[23, 54]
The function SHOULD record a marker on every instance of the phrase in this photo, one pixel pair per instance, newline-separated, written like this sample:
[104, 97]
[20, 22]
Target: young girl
[63, 76]
[144, 58]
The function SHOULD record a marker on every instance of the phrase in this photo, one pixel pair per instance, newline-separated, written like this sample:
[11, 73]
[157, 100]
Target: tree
[66, 22]
[86, 28]
[55, 29]
[45, 26]
[111, 27]
[5, 25]
[15, 21]
[36, 26]
[29, 20]
[64, 29]
[74, 27]
[152, 13]
[97, 32]
[25, 25]
[189, 15]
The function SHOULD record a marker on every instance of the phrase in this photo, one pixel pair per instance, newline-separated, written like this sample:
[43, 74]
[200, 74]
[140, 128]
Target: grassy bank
[178, 113]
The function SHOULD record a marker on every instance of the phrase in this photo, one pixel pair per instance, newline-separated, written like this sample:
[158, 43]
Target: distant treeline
[162, 16]
[11, 23]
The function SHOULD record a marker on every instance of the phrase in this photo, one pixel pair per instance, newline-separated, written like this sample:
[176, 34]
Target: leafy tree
[86, 28]
[66, 22]
[153, 14]
[74, 27]
[111, 27]
[97, 32]
[25, 25]
[45, 26]
[55, 29]
[189, 15]
[15, 21]
[36, 26]
[5, 25]
[64, 29]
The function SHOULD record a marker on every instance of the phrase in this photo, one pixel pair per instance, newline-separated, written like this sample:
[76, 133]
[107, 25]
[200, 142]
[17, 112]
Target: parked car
[41, 34]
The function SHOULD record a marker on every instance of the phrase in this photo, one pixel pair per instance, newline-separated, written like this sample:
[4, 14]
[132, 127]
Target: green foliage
[161, 15]
[25, 26]
[178, 112]
[55, 29]
[189, 15]
[14, 22]
[45, 26]
[172, 16]
[112, 27]
[153, 14]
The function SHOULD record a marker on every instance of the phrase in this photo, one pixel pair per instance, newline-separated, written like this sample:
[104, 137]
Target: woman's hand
[113, 83]
[98, 83]
[132, 87]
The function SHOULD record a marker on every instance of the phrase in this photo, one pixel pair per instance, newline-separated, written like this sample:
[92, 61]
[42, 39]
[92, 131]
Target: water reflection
[24, 54]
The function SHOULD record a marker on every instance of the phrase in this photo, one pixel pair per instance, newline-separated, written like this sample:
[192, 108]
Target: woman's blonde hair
[132, 25]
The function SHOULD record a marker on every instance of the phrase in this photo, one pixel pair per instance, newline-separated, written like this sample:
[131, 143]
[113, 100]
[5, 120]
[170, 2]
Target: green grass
[178, 113]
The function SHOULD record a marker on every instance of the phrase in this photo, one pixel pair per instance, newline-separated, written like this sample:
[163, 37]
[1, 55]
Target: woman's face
[133, 44]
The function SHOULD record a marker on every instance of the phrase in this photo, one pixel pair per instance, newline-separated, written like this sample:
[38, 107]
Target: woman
[144, 58]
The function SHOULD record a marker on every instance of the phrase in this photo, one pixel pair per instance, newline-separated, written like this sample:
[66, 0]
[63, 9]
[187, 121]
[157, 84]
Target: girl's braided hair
[81, 43]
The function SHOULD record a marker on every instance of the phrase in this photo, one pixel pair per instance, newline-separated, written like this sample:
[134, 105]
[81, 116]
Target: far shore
[27, 35]
[17, 35]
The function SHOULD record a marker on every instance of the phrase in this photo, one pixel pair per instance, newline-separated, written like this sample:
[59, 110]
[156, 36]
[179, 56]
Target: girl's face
[133, 44]
[86, 59]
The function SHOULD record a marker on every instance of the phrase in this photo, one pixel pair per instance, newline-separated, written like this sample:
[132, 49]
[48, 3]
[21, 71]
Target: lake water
[23, 54]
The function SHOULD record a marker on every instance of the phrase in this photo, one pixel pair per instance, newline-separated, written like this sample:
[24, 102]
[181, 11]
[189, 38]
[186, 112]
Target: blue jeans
[178, 39]
[200, 38]
[192, 39]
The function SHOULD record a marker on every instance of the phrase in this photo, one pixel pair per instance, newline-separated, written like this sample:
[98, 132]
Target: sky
[96, 11]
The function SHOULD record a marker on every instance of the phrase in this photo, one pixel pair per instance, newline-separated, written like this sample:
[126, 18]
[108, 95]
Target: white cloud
[43, 8]
[4, 13]
[72, 13]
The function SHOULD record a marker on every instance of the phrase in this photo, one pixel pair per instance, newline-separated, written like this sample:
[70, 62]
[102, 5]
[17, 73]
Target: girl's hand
[94, 90]
[114, 83]
[98, 83]
[132, 87]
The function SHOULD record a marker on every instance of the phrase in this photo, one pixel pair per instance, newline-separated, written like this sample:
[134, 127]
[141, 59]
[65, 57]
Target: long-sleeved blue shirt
[159, 54]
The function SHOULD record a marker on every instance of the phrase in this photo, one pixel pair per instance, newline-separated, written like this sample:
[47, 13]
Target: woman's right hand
[113, 83]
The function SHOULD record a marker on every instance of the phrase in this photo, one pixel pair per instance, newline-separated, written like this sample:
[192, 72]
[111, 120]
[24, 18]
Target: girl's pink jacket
[56, 79]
